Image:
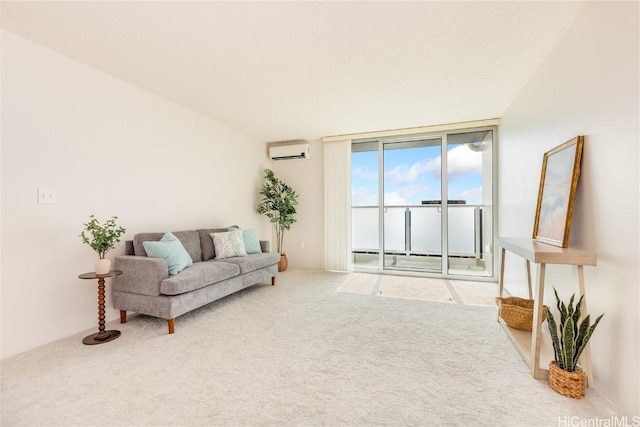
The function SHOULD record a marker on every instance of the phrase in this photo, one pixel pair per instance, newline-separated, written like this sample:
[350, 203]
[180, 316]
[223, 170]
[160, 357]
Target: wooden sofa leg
[273, 281]
[171, 323]
[123, 316]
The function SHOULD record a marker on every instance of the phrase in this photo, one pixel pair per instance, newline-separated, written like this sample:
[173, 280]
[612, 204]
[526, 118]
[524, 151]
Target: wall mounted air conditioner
[291, 151]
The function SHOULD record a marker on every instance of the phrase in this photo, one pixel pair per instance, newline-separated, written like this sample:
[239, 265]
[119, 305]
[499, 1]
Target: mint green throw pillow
[170, 249]
[251, 241]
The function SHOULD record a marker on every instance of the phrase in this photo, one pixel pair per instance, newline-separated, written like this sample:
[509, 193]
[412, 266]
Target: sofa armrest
[140, 274]
[265, 246]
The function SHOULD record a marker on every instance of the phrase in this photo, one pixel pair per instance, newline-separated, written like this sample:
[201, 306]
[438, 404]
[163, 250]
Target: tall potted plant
[569, 341]
[102, 238]
[278, 203]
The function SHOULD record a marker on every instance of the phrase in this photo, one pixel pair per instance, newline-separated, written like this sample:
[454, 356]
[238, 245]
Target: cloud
[460, 160]
[402, 196]
[405, 174]
[463, 161]
[365, 173]
[394, 199]
[404, 184]
[472, 195]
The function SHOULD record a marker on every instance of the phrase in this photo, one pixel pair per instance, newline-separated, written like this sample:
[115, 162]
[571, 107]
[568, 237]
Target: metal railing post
[477, 240]
[407, 230]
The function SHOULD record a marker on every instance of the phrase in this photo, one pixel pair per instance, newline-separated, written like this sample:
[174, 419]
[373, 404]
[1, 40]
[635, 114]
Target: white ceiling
[307, 69]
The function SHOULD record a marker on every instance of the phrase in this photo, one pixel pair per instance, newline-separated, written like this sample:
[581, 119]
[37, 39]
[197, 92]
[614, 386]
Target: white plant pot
[103, 266]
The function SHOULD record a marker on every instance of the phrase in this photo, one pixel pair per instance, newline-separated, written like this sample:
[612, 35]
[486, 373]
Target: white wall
[587, 86]
[107, 148]
[304, 243]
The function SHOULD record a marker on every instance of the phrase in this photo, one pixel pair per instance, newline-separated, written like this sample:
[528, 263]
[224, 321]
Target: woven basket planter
[571, 384]
[517, 312]
[283, 263]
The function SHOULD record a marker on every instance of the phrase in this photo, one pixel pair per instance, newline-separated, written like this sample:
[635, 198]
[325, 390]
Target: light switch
[46, 196]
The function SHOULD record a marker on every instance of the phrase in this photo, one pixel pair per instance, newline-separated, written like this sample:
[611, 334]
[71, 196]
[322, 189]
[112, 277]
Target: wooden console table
[530, 343]
[101, 336]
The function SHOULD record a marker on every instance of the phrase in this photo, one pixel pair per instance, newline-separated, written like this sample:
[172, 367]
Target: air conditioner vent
[291, 151]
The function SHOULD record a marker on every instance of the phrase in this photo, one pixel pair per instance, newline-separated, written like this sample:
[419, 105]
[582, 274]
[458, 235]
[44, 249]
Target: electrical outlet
[46, 196]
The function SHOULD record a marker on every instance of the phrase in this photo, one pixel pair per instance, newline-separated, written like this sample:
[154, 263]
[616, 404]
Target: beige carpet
[359, 283]
[421, 288]
[297, 354]
[418, 288]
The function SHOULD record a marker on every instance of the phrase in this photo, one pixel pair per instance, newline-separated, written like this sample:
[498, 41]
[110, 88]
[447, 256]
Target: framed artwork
[557, 192]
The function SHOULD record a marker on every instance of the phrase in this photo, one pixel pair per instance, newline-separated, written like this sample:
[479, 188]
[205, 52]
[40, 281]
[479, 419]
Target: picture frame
[557, 192]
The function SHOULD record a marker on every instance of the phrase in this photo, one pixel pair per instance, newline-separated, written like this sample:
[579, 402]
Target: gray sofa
[146, 287]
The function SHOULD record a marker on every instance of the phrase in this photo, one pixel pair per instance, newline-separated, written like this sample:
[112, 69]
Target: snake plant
[572, 336]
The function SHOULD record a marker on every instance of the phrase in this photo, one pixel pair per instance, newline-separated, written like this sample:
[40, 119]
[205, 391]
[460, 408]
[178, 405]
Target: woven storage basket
[569, 384]
[517, 312]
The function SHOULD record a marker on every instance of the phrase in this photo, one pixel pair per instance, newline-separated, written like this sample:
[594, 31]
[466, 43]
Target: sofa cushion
[171, 250]
[228, 244]
[252, 262]
[251, 241]
[198, 276]
[190, 239]
[206, 242]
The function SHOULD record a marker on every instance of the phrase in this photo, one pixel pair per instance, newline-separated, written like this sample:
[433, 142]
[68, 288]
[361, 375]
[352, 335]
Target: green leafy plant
[102, 237]
[572, 336]
[278, 203]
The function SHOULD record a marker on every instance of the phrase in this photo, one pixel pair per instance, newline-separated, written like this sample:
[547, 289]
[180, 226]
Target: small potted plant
[278, 203]
[569, 339]
[102, 238]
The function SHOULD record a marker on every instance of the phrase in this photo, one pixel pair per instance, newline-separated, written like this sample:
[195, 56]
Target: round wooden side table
[101, 336]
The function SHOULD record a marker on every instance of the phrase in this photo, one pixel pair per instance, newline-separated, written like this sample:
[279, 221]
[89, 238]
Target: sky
[412, 175]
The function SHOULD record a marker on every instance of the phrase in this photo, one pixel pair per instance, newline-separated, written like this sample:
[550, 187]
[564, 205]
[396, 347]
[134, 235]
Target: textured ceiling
[303, 70]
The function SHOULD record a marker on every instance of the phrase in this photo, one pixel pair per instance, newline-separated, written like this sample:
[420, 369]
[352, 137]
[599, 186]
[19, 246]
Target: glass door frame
[444, 223]
[381, 189]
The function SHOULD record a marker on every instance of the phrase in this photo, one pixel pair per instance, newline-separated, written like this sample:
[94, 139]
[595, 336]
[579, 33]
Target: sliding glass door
[424, 204]
[365, 212]
[412, 181]
[469, 178]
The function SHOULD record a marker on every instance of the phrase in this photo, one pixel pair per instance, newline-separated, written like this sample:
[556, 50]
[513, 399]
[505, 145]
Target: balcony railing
[416, 230]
